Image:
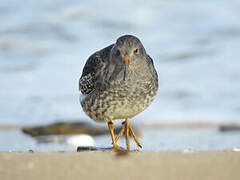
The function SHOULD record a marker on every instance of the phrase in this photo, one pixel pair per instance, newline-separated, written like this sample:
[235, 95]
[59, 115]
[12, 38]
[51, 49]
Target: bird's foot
[121, 150]
[127, 129]
[116, 149]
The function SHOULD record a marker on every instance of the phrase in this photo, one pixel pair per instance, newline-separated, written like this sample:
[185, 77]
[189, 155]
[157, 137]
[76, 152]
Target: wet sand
[166, 165]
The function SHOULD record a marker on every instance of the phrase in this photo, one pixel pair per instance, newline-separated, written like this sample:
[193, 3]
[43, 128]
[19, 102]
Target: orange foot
[128, 129]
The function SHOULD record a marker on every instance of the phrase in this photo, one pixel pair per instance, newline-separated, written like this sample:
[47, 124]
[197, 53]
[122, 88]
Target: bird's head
[127, 51]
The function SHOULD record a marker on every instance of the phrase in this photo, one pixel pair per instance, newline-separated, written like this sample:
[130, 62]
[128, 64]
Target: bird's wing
[149, 59]
[151, 66]
[93, 66]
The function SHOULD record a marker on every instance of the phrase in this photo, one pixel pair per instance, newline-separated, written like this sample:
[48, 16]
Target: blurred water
[152, 140]
[195, 47]
[194, 44]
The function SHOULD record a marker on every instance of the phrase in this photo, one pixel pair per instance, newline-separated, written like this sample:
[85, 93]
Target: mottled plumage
[90, 73]
[119, 81]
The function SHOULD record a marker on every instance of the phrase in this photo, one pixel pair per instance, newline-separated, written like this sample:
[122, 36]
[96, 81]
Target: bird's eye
[135, 51]
[117, 53]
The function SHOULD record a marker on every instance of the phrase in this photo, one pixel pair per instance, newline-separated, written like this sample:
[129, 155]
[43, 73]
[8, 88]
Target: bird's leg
[121, 132]
[126, 128]
[127, 134]
[131, 132]
[115, 147]
[134, 137]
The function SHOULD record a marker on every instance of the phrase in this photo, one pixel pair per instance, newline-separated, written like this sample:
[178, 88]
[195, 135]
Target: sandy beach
[167, 165]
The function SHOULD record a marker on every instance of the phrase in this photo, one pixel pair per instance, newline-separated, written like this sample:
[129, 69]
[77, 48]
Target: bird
[118, 82]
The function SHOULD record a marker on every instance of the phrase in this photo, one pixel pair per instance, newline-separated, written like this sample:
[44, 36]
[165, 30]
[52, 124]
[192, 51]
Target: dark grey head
[128, 50]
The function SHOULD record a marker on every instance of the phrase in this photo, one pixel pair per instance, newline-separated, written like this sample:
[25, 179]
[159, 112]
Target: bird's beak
[126, 62]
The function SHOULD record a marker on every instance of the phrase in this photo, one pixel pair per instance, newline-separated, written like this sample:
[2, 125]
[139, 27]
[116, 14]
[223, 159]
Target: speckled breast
[119, 100]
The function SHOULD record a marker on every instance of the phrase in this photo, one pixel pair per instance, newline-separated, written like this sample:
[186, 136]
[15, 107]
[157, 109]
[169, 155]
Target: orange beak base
[126, 59]
[126, 62]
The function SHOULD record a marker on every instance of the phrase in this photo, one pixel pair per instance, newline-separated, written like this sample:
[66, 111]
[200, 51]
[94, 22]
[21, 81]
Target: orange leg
[134, 137]
[115, 146]
[127, 133]
[127, 129]
[121, 132]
